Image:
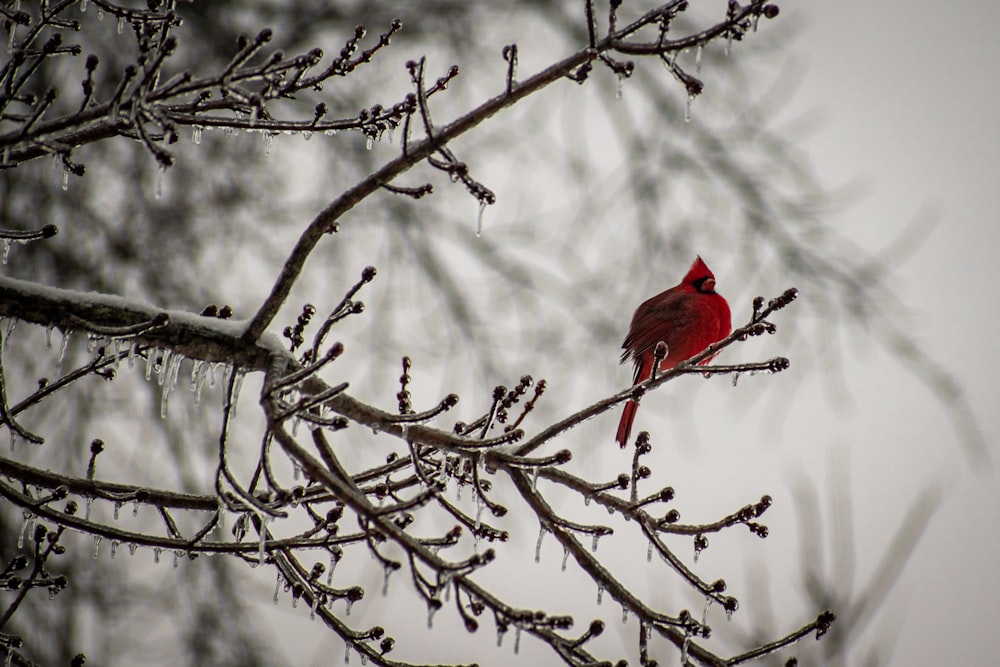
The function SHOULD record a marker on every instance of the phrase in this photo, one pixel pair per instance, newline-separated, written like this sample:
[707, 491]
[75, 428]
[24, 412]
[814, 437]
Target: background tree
[169, 240]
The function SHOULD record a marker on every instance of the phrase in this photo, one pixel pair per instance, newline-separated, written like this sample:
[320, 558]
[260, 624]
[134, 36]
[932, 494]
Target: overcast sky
[908, 94]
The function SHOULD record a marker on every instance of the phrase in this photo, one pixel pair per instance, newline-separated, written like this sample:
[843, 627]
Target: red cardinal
[687, 317]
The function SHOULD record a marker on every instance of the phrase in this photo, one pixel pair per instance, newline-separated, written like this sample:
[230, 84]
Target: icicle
[431, 610]
[538, 546]
[277, 587]
[117, 509]
[121, 24]
[88, 507]
[565, 558]
[479, 218]
[618, 86]
[624, 614]
[268, 138]
[158, 188]
[501, 631]
[6, 251]
[12, 322]
[26, 524]
[649, 553]
[389, 134]
[330, 133]
[150, 362]
[347, 653]
[347, 609]
[48, 335]
[83, 6]
[369, 142]
[237, 383]
[132, 546]
[704, 613]
[65, 180]
[736, 378]
[197, 379]
[385, 580]
[729, 42]
[684, 648]
[697, 58]
[156, 554]
[295, 601]
[97, 546]
[364, 659]
[164, 394]
[312, 611]
[261, 551]
[517, 639]
[131, 352]
[307, 135]
[534, 478]
[161, 367]
[586, 501]
[593, 546]
[62, 350]
[196, 134]
[687, 109]
[600, 593]
[177, 556]
[174, 371]
[334, 559]
[118, 352]
[480, 506]
[114, 548]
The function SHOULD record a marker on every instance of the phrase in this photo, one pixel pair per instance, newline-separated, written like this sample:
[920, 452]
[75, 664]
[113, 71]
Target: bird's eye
[706, 284]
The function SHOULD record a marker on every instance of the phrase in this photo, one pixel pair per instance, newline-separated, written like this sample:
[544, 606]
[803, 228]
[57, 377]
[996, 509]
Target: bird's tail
[625, 425]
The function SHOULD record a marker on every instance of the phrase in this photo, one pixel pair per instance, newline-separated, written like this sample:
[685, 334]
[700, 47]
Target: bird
[688, 318]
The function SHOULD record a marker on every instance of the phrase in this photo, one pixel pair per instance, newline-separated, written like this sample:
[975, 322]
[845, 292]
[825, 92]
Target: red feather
[688, 317]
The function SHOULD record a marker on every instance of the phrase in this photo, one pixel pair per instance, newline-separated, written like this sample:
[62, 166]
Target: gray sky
[908, 94]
